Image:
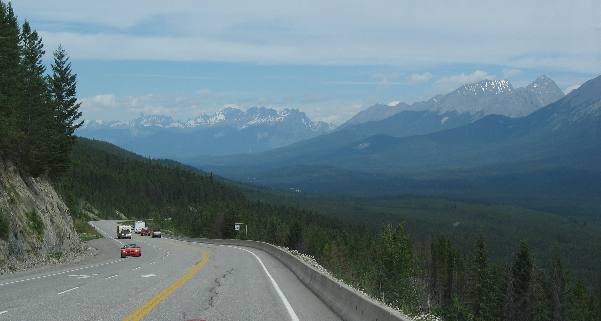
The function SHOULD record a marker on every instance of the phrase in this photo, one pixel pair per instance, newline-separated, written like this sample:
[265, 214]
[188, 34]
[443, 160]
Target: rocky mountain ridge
[229, 131]
[479, 99]
[232, 117]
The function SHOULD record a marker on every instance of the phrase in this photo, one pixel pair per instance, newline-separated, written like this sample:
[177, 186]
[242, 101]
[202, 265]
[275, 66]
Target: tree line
[435, 277]
[39, 111]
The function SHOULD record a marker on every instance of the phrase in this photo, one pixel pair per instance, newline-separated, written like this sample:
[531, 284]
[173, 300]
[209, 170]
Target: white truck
[124, 231]
[138, 226]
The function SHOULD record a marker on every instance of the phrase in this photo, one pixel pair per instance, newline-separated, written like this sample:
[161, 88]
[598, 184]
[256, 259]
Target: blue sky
[327, 58]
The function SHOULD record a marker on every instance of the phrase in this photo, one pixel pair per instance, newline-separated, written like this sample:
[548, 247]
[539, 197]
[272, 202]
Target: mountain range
[543, 152]
[478, 99]
[463, 106]
[229, 131]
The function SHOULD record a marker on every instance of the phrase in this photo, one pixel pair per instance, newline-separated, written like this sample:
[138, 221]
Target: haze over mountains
[554, 151]
[229, 131]
[233, 131]
[463, 106]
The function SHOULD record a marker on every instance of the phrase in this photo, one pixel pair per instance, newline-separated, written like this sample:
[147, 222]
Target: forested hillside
[456, 280]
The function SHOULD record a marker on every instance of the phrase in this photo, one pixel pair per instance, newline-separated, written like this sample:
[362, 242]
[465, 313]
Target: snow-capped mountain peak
[154, 121]
[228, 131]
[478, 99]
[486, 87]
[231, 117]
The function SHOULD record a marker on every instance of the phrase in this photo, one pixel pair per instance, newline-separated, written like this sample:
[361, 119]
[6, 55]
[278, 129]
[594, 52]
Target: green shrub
[35, 223]
[3, 227]
[84, 230]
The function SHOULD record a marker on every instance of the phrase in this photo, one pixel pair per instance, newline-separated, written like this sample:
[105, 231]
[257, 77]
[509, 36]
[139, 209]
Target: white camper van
[138, 226]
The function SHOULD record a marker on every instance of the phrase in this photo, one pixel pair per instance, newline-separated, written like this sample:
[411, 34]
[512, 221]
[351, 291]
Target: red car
[131, 250]
[146, 231]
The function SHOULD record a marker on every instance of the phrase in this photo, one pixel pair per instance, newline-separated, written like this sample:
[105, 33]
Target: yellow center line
[158, 298]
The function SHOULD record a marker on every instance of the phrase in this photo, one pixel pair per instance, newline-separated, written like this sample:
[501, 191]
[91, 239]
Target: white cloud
[406, 33]
[572, 88]
[102, 46]
[99, 102]
[449, 83]
[111, 107]
[416, 78]
[511, 72]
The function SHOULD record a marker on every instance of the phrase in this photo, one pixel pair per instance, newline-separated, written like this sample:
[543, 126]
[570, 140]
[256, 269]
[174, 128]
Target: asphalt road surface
[172, 280]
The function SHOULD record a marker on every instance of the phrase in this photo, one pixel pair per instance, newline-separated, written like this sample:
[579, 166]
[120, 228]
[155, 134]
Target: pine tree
[509, 305]
[599, 292]
[599, 295]
[558, 288]
[10, 81]
[229, 220]
[538, 301]
[398, 268]
[63, 93]
[295, 236]
[35, 115]
[519, 286]
[482, 293]
[443, 271]
[580, 306]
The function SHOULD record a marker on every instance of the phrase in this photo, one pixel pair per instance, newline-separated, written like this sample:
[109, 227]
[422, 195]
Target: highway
[172, 280]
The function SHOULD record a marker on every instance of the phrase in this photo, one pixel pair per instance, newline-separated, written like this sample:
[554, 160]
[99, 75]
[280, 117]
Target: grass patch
[35, 223]
[85, 231]
[12, 193]
[3, 227]
[56, 255]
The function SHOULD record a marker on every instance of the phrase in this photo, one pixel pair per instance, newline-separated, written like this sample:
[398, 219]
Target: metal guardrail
[345, 301]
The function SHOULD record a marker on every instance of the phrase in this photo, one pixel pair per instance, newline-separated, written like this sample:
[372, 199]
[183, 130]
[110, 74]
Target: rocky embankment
[35, 224]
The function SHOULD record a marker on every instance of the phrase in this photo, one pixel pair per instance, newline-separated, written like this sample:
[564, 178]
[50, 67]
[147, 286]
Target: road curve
[172, 281]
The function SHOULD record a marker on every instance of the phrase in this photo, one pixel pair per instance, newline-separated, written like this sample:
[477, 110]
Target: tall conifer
[62, 86]
[482, 291]
[10, 80]
[35, 115]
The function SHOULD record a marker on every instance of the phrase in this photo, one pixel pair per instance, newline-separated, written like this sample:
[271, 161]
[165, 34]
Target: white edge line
[59, 273]
[281, 294]
[68, 290]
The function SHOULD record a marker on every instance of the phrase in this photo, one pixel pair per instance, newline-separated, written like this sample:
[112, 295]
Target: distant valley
[538, 160]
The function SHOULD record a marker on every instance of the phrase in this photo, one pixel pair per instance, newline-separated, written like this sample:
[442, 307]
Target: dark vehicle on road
[125, 234]
[146, 231]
